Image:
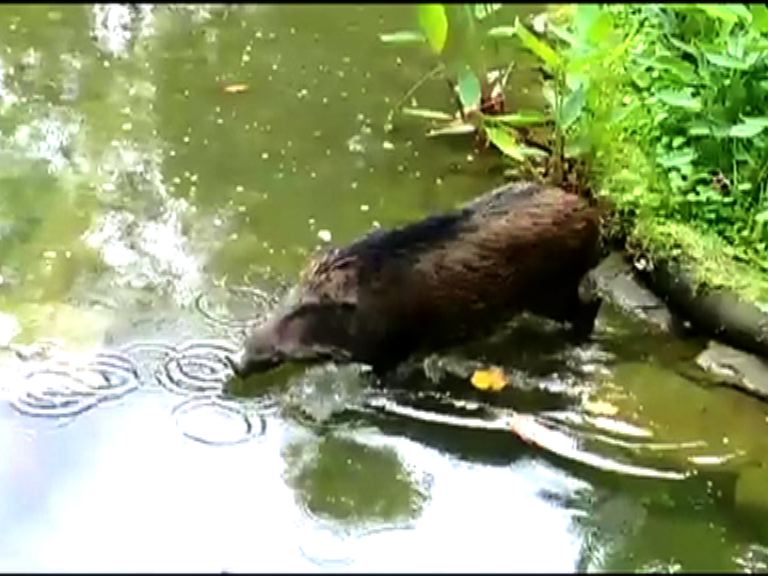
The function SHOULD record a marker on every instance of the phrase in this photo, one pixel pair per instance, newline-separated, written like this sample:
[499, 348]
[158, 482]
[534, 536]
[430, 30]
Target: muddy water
[147, 211]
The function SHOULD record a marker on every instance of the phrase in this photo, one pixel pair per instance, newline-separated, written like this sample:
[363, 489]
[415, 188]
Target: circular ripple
[54, 394]
[215, 422]
[118, 372]
[197, 367]
[147, 357]
[66, 391]
[259, 302]
[161, 349]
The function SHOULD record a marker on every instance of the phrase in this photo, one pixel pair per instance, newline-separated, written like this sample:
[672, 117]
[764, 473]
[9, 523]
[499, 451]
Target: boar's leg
[575, 304]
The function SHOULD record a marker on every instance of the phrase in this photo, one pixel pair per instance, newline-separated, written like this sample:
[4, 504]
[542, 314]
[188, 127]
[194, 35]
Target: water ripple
[217, 422]
[197, 367]
[64, 386]
[257, 301]
[58, 389]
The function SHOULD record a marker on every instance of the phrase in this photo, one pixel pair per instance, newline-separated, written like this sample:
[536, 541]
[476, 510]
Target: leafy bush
[676, 123]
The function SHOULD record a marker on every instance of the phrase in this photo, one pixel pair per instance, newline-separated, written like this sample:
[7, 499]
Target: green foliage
[434, 24]
[455, 33]
[666, 103]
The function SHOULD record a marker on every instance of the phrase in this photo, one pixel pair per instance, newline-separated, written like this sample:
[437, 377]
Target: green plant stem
[412, 90]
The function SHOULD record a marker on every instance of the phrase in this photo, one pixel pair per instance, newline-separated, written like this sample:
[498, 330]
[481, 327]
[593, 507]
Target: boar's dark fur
[438, 282]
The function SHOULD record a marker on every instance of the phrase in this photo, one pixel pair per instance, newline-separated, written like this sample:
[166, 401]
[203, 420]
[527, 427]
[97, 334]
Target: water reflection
[353, 484]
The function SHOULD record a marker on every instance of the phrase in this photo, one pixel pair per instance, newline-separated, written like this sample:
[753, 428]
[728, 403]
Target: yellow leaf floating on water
[236, 88]
[492, 379]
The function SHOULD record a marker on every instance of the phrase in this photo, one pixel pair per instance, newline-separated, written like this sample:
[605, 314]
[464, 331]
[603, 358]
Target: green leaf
[677, 158]
[708, 129]
[727, 12]
[573, 106]
[745, 130]
[726, 61]
[593, 24]
[403, 37]
[759, 120]
[762, 216]
[452, 130]
[469, 89]
[428, 114]
[505, 141]
[680, 99]
[584, 18]
[521, 119]
[759, 17]
[502, 32]
[538, 47]
[434, 23]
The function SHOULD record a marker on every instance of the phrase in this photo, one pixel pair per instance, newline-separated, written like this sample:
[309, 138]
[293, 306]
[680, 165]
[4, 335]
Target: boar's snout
[243, 364]
[258, 354]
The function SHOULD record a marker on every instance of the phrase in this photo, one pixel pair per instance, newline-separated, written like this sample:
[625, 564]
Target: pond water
[166, 172]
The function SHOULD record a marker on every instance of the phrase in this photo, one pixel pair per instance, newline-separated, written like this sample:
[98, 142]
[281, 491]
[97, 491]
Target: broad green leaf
[759, 120]
[593, 24]
[572, 107]
[584, 18]
[680, 99]
[403, 37]
[727, 12]
[708, 129]
[680, 68]
[677, 158]
[502, 32]
[538, 47]
[726, 61]
[505, 141]
[530, 152]
[745, 130]
[469, 89]
[762, 216]
[759, 17]
[428, 114]
[521, 118]
[602, 29]
[434, 23]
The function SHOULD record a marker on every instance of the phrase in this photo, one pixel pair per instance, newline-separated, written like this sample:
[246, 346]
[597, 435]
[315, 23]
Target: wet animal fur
[438, 282]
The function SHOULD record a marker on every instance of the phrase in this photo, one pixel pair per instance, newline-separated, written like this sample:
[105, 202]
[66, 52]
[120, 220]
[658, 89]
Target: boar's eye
[320, 323]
